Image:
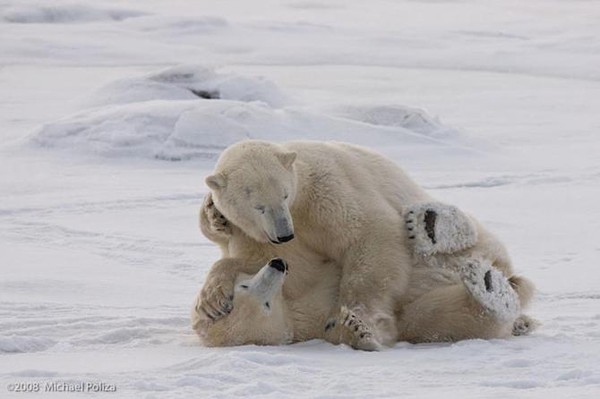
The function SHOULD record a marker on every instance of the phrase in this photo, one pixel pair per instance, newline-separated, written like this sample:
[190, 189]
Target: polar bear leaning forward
[341, 209]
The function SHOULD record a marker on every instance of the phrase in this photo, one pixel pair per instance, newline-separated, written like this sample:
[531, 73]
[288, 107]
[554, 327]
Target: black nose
[279, 264]
[286, 238]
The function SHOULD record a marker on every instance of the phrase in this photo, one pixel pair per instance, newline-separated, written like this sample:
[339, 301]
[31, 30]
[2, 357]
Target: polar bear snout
[279, 224]
[267, 283]
[279, 264]
[284, 229]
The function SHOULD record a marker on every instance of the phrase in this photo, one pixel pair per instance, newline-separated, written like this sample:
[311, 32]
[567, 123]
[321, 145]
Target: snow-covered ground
[110, 120]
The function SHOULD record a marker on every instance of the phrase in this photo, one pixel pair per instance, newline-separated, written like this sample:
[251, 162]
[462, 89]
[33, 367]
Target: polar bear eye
[261, 209]
[244, 286]
[286, 196]
[268, 305]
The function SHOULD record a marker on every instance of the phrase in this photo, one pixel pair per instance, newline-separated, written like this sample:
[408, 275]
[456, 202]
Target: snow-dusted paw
[524, 325]
[491, 289]
[363, 337]
[434, 228]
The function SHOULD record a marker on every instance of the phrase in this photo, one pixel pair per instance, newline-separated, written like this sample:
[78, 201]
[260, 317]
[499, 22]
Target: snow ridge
[190, 111]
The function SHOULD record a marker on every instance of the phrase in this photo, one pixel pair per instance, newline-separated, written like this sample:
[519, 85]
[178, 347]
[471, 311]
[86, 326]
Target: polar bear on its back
[443, 305]
[332, 205]
[451, 296]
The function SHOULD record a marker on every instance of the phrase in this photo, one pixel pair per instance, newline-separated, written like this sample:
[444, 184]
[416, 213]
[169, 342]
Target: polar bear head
[253, 186]
[259, 314]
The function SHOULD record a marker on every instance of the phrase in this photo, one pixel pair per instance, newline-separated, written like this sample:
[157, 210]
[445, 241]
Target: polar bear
[474, 301]
[333, 204]
[263, 315]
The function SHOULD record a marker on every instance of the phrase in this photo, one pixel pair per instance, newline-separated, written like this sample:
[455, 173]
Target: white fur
[442, 305]
[345, 206]
[342, 203]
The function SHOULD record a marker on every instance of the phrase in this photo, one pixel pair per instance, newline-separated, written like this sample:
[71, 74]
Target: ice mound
[193, 112]
[136, 129]
[396, 116]
[190, 82]
[44, 13]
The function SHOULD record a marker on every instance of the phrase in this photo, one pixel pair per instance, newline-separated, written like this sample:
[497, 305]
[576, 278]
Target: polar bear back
[359, 171]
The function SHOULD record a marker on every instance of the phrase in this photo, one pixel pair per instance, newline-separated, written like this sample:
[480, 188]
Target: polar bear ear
[287, 159]
[216, 182]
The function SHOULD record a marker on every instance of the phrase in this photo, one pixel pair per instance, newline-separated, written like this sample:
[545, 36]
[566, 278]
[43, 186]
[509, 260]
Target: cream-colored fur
[343, 204]
[438, 308]
[346, 208]
[286, 319]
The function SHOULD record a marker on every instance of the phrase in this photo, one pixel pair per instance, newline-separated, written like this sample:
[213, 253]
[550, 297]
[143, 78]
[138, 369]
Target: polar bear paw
[438, 228]
[491, 289]
[212, 221]
[362, 335]
[524, 325]
[214, 301]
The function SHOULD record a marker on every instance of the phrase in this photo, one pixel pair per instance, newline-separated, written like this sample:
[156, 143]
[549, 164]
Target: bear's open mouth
[281, 240]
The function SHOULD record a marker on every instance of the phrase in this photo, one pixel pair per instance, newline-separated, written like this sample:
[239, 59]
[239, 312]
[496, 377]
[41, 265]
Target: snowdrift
[194, 112]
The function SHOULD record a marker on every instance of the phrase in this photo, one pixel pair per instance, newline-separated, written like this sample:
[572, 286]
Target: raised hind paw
[435, 228]
[491, 289]
[361, 333]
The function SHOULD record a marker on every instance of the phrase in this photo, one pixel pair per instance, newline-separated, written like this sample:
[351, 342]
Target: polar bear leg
[435, 228]
[488, 286]
[449, 313]
[375, 274]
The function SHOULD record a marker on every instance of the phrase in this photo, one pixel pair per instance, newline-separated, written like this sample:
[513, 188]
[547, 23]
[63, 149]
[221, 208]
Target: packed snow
[113, 113]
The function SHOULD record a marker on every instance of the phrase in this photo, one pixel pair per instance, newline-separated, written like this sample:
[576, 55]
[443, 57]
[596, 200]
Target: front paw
[215, 299]
[438, 228]
[212, 221]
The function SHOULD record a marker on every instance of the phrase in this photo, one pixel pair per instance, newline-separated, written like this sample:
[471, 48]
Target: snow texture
[492, 106]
